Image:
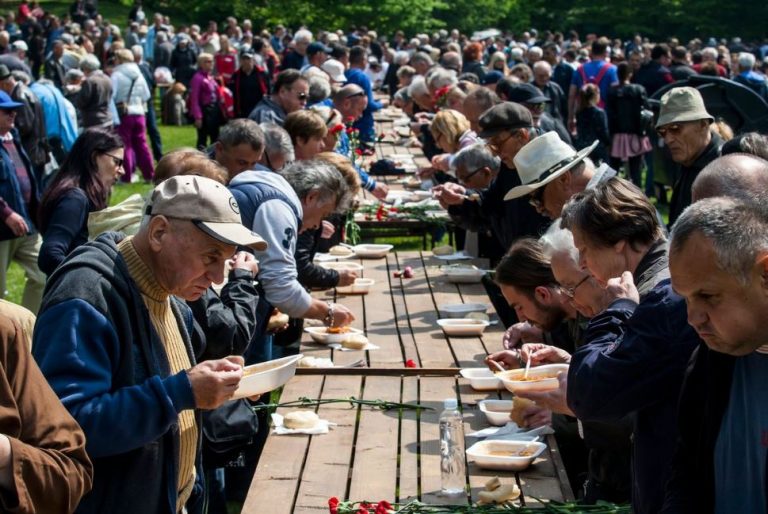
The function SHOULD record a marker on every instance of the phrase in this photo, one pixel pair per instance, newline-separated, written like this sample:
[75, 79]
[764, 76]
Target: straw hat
[543, 160]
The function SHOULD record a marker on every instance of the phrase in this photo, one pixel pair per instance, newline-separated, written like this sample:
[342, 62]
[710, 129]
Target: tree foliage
[655, 18]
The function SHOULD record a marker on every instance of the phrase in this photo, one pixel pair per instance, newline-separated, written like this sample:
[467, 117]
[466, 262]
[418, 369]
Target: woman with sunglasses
[81, 186]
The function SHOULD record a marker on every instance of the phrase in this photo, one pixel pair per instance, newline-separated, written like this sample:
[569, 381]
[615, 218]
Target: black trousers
[208, 133]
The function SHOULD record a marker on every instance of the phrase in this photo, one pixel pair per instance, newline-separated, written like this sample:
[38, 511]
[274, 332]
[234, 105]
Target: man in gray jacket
[95, 96]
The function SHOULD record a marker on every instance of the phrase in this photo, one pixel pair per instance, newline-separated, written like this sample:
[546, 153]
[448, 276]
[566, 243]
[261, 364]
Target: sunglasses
[301, 96]
[117, 160]
[570, 292]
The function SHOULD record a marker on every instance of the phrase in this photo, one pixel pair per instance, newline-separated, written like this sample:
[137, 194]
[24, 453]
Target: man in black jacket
[683, 124]
[718, 262]
[54, 68]
[654, 75]
[249, 84]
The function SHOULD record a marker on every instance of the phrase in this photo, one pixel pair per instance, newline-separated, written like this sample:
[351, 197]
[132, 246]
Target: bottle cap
[450, 403]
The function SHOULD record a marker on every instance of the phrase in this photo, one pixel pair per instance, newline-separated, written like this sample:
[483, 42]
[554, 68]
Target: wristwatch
[328, 320]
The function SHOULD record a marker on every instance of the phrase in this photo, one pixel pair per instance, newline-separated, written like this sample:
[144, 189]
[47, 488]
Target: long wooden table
[375, 455]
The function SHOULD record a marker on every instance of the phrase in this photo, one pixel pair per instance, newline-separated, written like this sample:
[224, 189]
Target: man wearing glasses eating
[552, 172]
[683, 124]
[289, 95]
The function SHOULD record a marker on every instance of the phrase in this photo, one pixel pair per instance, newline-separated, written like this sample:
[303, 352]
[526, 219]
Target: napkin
[511, 431]
[322, 427]
[337, 346]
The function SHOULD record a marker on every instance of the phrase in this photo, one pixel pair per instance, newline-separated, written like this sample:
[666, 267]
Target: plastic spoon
[527, 367]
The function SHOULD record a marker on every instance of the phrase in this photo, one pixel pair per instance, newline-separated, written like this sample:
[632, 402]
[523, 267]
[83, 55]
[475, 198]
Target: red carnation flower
[410, 364]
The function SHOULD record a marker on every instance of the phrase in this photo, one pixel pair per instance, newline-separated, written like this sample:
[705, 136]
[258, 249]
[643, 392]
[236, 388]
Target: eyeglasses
[570, 292]
[536, 198]
[468, 176]
[495, 146]
[536, 107]
[117, 160]
[301, 96]
[673, 129]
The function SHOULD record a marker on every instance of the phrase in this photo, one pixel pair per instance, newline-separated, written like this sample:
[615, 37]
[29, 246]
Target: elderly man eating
[113, 340]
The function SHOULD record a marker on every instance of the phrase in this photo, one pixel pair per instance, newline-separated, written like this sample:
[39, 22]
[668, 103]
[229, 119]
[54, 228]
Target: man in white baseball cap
[335, 70]
[552, 172]
[115, 342]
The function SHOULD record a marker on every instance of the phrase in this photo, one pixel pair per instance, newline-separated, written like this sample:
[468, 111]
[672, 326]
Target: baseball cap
[207, 204]
[526, 94]
[20, 45]
[504, 116]
[4, 72]
[682, 104]
[317, 47]
[7, 103]
[491, 77]
[335, 69]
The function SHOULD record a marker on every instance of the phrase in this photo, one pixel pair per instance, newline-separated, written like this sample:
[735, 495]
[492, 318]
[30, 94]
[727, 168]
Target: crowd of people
[107, 395]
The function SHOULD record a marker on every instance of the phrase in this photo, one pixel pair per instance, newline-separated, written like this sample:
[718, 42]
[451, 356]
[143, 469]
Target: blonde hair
[204, 57]
[451, 124]
[305, 124]
[330, 116]
[124, 55]
[188, 161]
[496, 57]
[345, 167]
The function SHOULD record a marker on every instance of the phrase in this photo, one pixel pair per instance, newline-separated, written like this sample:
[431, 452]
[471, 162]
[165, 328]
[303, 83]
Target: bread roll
[519, 405]
[339, 250]
[300, 419]
[277, 321]
[315, 362]
[443, 250]
[355, 342]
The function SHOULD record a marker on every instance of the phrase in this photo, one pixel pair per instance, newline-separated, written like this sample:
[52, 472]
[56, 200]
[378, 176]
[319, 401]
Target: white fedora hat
[543, 160]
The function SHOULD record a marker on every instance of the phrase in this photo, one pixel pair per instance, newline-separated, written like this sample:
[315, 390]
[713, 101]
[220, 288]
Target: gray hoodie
[276, 222]
[122, 76]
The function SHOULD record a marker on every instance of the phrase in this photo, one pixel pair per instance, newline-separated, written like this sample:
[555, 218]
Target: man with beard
[528, 285]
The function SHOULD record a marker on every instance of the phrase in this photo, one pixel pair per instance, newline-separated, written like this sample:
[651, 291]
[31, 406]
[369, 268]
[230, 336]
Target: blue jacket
[365, 123]
[58, 124]
[10, 191]
[632, 363]
[95, 344]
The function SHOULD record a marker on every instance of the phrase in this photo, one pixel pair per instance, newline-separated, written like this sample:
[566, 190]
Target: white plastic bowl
[372, 251]
[496, 411]
[480, 452]
[460, 310]
[266, 376]
[462, 327]
[481, 379]
[463, 274]
[321, 335]
[360, 286]
[544, 378]
[342, 265]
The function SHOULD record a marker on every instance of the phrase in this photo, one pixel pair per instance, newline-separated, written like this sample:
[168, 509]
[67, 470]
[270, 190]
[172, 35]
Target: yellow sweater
[158, 303]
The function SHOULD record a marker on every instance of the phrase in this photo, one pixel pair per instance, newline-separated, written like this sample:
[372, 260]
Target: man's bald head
[737, 175]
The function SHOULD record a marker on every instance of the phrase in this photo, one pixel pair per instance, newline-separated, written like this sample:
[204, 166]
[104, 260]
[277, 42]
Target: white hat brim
[517, 192]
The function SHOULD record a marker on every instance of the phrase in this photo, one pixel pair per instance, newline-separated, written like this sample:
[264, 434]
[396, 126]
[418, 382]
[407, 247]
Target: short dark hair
[525, 267]
[599, 46]
[659, 51]
[679, 53]
[357, 55]
[338, 51]
[287, 78]
[615, 210]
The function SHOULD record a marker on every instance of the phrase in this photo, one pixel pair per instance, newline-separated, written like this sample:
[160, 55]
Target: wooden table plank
[433, 392]
[374, 472]
[409, 478]
[282, 460]
[380, 322]
[325, 472]
[431, 345]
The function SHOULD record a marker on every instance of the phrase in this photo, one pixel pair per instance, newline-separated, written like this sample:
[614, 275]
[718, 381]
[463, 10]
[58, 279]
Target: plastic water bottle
[453, 476]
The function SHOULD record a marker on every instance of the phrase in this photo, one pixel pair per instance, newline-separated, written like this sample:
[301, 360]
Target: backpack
[596, 79]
